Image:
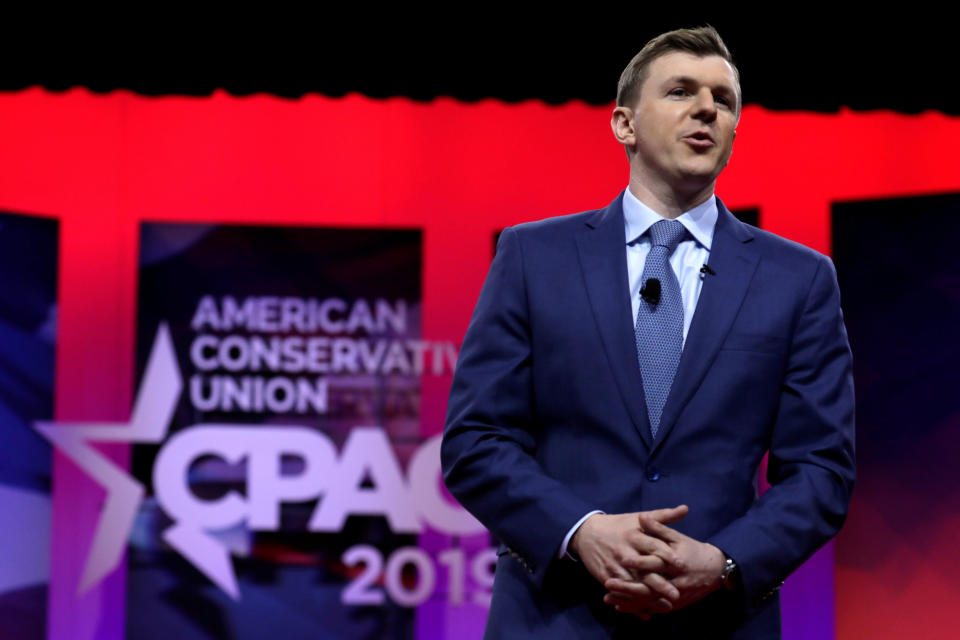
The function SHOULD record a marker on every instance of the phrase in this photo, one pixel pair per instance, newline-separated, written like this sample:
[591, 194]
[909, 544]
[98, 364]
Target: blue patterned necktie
[659, 329]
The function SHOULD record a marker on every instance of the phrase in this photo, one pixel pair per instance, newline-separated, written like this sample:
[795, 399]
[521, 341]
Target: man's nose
[705, 108]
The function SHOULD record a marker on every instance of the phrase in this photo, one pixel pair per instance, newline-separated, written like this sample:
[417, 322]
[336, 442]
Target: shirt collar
[699, 221]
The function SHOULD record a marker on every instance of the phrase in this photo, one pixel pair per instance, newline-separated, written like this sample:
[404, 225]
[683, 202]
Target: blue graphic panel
[289, 331]
[900, 280]
[28, 326]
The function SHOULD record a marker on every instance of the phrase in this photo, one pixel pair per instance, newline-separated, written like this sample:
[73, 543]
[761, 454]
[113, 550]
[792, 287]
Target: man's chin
[702, 167]
[696, 179]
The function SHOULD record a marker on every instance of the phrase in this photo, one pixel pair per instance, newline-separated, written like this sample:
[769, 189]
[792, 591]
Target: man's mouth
[699, 140]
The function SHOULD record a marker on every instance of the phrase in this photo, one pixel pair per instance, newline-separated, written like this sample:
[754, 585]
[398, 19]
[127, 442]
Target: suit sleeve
[811, 461]
[488, 454]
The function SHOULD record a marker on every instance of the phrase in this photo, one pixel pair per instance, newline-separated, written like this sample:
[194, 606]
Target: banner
[288, 490]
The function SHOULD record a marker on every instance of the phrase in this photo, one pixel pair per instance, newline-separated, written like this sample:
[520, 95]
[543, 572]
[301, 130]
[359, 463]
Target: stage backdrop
[898, 555]
[28, 332]
[188, 224]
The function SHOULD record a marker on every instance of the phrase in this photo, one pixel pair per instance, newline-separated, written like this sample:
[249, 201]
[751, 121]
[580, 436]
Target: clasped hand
[646, 566]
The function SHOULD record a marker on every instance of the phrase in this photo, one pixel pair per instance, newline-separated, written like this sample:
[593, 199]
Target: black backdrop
[792, 59]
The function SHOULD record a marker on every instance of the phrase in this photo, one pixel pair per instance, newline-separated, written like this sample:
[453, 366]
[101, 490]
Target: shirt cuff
[573, 530]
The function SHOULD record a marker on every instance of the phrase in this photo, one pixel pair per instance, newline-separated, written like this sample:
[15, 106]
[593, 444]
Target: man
[623, 375]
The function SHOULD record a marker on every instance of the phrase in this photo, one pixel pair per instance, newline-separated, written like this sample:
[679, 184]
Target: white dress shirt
[687, 259]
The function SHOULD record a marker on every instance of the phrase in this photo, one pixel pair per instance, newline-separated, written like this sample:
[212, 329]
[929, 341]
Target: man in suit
[625, 371]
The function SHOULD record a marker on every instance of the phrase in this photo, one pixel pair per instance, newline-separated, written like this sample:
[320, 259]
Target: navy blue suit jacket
[547, 421]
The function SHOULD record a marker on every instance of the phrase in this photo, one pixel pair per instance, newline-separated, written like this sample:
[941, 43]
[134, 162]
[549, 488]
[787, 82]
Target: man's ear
[622, 124]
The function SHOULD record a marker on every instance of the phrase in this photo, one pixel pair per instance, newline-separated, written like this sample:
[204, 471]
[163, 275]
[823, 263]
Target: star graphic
[152, 412]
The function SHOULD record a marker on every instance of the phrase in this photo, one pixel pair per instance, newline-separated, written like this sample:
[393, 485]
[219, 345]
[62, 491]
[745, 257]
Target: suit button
[653, 474]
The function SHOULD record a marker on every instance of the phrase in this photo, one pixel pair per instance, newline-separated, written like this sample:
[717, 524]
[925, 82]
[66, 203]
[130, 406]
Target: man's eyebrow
[691, 80]
[680, 79]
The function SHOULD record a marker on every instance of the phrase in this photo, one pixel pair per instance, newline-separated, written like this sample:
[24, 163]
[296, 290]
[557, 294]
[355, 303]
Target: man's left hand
[696, 572]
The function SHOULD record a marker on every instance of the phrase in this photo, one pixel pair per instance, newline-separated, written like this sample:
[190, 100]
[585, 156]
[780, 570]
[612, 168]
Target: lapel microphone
[650, 292]
[706, 269]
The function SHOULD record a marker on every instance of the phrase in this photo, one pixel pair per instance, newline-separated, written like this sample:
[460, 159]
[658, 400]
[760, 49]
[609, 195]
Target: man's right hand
[615, 546]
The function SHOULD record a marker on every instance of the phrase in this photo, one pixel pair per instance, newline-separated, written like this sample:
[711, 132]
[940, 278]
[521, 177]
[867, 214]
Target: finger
[645, 563]
[653, 546]
[628, 589]
[625, 600]
[669, 516]
[651, 586]
[662, 586]
[653, 528]
[618, 570]
[661, 605]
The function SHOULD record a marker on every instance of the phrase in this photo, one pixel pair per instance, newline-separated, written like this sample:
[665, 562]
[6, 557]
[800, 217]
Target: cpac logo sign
[409, 503]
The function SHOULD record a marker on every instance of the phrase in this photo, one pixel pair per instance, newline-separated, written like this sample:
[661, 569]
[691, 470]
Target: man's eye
[679, 91]
[722, 100]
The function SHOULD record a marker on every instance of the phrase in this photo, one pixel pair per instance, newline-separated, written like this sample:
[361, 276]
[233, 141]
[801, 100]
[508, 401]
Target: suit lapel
[602, 250]
[720, 298]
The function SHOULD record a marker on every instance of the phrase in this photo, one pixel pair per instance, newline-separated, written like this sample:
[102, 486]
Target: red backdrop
[103, 163]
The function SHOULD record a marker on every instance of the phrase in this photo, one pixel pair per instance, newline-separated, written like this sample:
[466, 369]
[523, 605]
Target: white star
[152, 412]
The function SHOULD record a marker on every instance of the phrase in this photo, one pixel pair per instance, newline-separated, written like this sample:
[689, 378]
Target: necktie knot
[667, 233]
